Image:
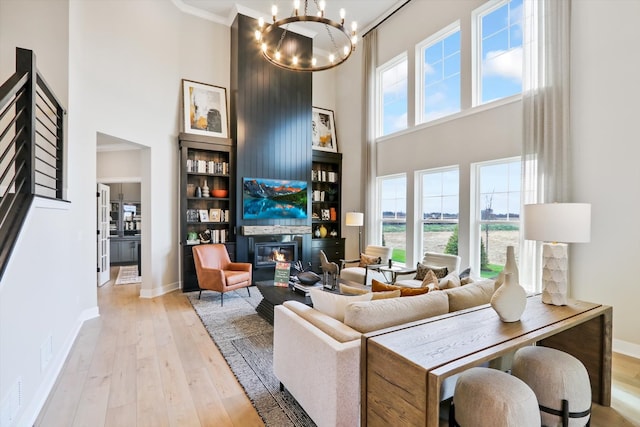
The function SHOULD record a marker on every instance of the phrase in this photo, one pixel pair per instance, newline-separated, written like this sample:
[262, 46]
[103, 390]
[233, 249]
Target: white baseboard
[626, 348]
[46, 386]
[156, 292]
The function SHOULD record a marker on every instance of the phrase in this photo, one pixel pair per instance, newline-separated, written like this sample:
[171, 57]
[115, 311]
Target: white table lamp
[556, 224]
[356, 219]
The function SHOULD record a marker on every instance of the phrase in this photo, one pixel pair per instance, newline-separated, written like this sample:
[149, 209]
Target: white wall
[49, 286]
[127, 62]
[605, 94]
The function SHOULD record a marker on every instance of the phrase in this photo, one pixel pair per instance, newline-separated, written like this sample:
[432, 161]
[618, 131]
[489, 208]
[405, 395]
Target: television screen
[274, 199]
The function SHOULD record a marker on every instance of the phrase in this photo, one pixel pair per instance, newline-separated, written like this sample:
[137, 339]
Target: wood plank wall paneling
[270, 122]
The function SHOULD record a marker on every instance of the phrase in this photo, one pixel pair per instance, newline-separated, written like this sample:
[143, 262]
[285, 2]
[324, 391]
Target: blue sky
[501, 33]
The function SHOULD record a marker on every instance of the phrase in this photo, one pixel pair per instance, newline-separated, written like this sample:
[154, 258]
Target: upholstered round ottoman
[486, 397]
[560, 382]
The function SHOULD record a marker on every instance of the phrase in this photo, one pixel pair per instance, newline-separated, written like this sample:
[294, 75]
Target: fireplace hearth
[266, 254]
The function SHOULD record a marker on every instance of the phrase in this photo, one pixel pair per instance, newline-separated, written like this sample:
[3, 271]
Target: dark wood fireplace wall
[270, 118]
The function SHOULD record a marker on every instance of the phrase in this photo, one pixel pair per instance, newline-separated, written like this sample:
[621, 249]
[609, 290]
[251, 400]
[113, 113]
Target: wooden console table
[403, 368]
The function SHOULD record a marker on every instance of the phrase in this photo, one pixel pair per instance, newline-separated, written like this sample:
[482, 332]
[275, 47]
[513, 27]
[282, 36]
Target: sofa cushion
[374, 315]
[449, 281]
[369, 260]
[471, 295]
[327, 324]
[430, 280]
[421, 271]
[377, 286]
[352, 290]
[334, 304]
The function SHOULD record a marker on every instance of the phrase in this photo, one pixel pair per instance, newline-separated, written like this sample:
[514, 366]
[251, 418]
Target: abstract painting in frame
[323, 130]
[204, 109]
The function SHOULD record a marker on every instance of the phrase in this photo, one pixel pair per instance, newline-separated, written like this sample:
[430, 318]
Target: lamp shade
[354, 219]
[558, 222]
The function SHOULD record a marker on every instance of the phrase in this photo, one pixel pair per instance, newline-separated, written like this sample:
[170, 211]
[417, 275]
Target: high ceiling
[364, 12]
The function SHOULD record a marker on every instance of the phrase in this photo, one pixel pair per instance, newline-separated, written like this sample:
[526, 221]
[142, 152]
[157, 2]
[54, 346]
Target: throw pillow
[430, 281]
[466, 281]
[334, 304]
[377, 286]
[352, 290]
[386, 294]
[465, 273]
[368, 260]
[449, 281]
[421, 271]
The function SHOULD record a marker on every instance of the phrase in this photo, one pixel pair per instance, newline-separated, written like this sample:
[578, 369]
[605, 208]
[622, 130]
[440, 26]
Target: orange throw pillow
[377, 286]
[431, 279]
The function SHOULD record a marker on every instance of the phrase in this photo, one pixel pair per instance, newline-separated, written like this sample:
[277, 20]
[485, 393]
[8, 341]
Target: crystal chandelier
[283, 51]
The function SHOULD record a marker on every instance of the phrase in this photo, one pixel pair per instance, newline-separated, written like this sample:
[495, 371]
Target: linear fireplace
[266, 254]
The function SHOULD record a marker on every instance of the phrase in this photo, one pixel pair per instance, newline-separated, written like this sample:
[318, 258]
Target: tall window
[497, 212]
[439, 209]
[392, 197]
[438, 62]
[392, 95]
[498, 50]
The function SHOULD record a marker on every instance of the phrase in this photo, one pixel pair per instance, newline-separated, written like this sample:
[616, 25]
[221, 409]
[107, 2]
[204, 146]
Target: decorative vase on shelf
[205, 189]
[509, 300]
[333, 233]
[316, 232]
[323, 231]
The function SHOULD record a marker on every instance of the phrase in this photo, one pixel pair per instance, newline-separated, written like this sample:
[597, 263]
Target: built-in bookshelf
[326, 202]
[206, 199]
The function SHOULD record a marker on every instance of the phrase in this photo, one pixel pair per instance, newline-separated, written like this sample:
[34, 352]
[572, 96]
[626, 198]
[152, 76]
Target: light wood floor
[152, 363]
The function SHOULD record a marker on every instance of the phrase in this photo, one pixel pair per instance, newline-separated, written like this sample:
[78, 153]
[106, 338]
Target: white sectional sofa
[317, 357]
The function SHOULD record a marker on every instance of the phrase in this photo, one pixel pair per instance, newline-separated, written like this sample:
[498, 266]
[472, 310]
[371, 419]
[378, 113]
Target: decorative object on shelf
[215, 215]
[205, 189]
[326, 214]
[220, 193]
[331, 193]
[192, 238]
[204, 109]
[273, 38]
[509, 300]
[204, 215]
[323, 133]
[316, 232]
[332, 214]
[205, 236]
[333, 233]
[323, 231]
[330, 271]
[198, 192]
[356, 219]
[191, 190]
[556, 222]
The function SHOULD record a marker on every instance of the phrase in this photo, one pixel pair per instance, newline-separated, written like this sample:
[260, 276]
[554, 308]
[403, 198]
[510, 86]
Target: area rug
[245, 340]
[128, 274]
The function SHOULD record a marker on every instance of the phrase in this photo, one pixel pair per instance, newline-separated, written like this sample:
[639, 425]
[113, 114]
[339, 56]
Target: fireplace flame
[277, 256]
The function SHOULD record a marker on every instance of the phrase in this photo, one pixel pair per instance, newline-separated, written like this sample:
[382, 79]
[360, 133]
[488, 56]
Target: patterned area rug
[245, 340]
[128, 274]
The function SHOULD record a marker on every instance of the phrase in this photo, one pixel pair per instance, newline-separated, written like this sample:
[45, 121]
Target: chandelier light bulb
[314, 61]
[274, 12]
[354, 26]
[342, 15]
[261, 22]
[295, 60]
[296, 6]
[354, 39]
[332, 58]
[322, 5]
[258, 35]
[278, 55]
[264, 47]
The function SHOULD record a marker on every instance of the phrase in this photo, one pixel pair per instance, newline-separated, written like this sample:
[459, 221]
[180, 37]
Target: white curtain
[546, 120]
[370, 54]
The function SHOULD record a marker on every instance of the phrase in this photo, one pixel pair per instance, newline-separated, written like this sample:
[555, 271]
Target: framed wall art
[323, 130]
[204, 109]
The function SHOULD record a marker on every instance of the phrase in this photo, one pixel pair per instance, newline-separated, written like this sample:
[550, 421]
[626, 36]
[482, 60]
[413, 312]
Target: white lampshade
[558, 222]
[355, 219]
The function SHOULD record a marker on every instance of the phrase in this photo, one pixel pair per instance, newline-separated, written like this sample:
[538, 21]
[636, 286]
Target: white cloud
[504, 63]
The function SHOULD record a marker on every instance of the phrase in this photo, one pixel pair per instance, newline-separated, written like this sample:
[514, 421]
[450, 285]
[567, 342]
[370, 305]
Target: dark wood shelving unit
[326, 196]
[215, 153]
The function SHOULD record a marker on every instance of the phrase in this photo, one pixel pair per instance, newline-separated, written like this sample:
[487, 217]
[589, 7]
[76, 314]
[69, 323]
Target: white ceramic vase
[509, 300]
[510, 266]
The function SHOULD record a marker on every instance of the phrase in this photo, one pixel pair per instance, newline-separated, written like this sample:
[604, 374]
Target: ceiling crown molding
[199, 12]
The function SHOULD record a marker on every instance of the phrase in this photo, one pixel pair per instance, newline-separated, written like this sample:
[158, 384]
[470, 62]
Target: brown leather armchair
[216, 272]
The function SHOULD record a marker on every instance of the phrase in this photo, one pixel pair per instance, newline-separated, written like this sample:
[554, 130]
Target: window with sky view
[392, 90]
[499, 71]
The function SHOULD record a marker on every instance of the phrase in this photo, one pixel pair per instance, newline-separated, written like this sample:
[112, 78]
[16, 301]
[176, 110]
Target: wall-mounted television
[274, 199]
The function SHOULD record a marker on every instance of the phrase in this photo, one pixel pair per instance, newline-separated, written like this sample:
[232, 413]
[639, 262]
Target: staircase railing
[31, 147]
